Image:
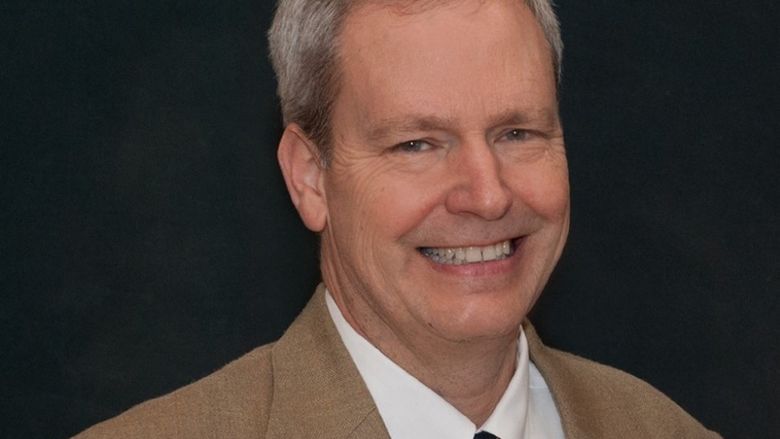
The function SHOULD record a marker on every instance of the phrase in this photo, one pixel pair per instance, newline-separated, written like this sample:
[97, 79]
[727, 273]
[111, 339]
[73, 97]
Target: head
[303, 43]
[444, 204]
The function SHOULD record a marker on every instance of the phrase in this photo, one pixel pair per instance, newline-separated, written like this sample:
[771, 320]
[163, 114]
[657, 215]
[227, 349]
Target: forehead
[443, 56]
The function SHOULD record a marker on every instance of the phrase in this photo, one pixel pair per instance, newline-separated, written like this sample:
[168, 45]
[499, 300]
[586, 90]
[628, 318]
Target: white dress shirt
[409, 409]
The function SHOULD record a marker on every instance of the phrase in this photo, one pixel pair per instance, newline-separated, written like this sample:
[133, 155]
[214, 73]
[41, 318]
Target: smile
[469, 255]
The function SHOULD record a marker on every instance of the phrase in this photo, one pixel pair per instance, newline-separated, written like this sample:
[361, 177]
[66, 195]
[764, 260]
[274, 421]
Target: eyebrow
[544, 116]
[409, 124]
[416, 123]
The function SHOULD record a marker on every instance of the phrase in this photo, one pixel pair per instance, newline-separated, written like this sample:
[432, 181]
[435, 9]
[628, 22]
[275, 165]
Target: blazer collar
[572, 397]
[328, 400]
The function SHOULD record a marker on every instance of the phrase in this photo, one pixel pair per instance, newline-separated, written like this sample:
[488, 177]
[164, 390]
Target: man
[423, 144]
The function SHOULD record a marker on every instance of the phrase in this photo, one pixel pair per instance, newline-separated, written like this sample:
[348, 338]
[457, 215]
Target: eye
[413, 146]
[517, 135]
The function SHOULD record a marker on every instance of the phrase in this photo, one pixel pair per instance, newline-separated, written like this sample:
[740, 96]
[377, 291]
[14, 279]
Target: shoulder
[596, 400]
[232, 402]
[257, 392]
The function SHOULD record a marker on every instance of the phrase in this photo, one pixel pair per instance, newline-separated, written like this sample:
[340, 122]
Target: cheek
[545, 190]
[376, 207]
[399, 206]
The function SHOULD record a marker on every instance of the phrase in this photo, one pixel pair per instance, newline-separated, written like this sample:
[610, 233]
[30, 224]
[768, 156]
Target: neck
[471, 375]
[471, 378]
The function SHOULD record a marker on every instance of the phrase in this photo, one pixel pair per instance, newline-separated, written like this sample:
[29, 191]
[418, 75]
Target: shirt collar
[410, 409]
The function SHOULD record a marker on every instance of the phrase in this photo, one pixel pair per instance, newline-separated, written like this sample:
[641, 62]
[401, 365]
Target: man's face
[447, 198]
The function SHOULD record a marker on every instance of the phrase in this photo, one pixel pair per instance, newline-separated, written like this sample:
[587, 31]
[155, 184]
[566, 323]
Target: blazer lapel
[318, 391]
[572, 397]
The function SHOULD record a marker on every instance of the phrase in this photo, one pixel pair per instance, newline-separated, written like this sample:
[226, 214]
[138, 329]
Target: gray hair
[303, 43]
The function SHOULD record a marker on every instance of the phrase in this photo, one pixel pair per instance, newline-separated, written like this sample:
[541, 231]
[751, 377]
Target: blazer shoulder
[623, 403]
[231, 402]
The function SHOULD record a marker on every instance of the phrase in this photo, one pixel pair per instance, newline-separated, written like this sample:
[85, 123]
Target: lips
[469, 255]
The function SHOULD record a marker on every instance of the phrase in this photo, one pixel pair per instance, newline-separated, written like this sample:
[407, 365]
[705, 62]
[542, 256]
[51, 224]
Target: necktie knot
[484, 435]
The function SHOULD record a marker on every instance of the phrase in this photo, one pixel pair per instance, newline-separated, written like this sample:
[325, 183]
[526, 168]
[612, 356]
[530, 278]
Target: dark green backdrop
[147, 238]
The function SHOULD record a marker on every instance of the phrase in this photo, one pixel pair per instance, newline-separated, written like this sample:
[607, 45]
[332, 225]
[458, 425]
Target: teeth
[469, 255]
[473, 254]
[489, 253]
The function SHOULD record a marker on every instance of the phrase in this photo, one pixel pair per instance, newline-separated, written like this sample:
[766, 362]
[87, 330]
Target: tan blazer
[306, 386]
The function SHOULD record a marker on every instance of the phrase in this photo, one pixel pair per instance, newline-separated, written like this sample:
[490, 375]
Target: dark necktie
[484, 435]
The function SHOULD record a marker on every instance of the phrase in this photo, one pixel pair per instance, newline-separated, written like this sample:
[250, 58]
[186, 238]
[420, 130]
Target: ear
[303, 173]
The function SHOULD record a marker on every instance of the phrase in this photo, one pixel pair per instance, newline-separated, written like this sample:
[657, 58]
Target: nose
[479, 187]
